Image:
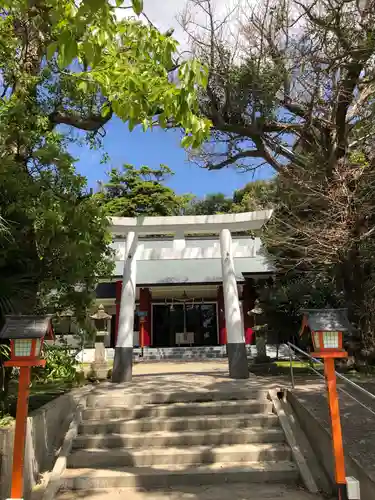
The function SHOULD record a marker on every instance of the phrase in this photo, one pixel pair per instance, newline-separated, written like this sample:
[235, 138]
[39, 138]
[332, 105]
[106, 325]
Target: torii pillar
[123, 361]
[236, 348]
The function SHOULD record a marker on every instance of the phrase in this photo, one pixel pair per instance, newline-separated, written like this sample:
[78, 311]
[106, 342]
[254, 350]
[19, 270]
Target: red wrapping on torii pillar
[144, 306]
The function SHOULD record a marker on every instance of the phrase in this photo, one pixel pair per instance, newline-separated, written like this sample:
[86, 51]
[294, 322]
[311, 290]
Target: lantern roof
[326, 320]
[101, 314]
[27, 327]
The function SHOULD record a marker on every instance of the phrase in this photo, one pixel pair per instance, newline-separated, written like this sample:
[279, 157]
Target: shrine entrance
[186, 321]
[187, 324]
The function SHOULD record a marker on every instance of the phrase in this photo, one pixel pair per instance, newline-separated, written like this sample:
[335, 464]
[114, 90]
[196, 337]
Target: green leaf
[82, 85]
[51, 49]
[106, 109]
[163, 120]
[187, 141]
[88, 50]
[137, 6]
[68, 50]
[195, 124]
[117, 108]
[132, 124]
[71, 50]
[204, 77]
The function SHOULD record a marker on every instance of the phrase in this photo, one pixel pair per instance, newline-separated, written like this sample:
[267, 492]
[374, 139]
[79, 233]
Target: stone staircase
[161, 440]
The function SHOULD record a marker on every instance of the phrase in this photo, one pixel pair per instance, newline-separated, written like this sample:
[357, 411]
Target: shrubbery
[60, 365]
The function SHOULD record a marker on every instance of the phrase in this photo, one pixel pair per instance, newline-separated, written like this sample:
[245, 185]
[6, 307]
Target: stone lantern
[101, 322]
[260, 333]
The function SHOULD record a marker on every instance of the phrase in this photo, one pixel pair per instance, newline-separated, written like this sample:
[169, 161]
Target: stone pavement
[186, 376]
[223, 492]
[219, 366]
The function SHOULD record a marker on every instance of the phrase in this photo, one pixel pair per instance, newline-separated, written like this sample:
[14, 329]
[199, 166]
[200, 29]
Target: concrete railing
[46, 429]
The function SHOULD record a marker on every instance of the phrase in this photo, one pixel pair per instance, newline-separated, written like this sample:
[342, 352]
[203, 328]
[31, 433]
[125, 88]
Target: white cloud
[164, 15]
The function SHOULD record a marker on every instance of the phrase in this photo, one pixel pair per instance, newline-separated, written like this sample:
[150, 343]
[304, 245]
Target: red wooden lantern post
[26, 335]
[327, 327]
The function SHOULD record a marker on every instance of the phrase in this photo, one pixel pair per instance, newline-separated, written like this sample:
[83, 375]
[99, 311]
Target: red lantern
[328, 343]
[26, 335]
[326, 327]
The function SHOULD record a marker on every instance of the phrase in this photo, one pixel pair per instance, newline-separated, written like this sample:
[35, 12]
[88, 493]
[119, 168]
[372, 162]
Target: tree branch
[232, 159]
[90, 123]
[257, 130]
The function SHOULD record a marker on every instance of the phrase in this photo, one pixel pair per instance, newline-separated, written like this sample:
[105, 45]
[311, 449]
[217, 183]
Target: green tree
[132, 192]
[213, 203]
[253, 196]
[283, 299]
[63, 66]
[57, 238]
[256, 195]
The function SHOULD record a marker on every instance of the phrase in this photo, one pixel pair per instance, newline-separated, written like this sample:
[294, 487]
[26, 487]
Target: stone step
[104, 399]
[163, 352]
[178, 424]
[194, 438]
[180, 409]
[218, 473]
[195, 455]
[180, 355]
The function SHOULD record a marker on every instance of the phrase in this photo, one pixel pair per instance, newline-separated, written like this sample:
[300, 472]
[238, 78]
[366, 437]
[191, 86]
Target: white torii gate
[221, 224]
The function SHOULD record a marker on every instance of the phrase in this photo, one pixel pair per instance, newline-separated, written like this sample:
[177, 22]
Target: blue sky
[152, 148]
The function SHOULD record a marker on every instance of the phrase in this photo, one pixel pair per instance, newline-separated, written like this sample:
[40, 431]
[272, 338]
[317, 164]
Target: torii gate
[221, 224]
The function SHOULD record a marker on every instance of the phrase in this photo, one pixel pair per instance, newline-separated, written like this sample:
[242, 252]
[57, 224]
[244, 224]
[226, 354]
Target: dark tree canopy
[255, 195]
[286, 80]
[291, 87]
[132, 192]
